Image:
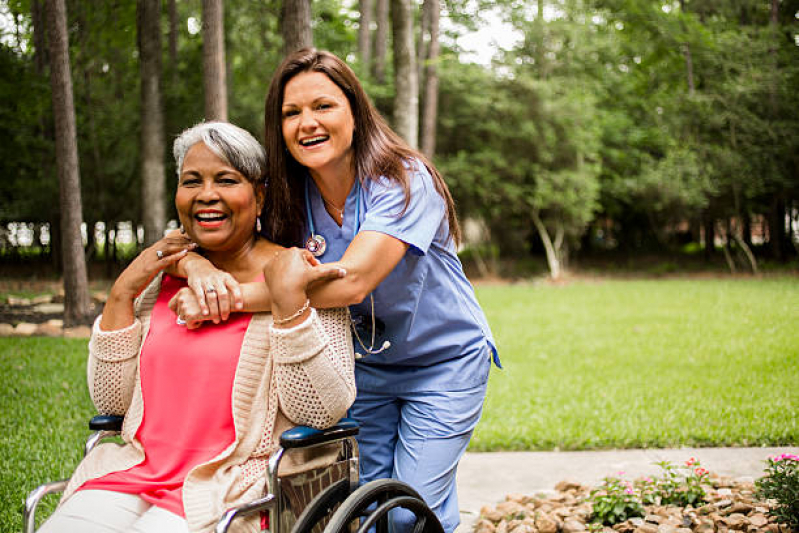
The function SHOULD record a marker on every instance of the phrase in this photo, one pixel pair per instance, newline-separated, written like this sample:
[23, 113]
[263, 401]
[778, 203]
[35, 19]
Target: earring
[257, 225]
[182, 230]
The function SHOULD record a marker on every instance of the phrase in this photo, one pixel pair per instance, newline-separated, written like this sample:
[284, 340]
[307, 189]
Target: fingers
[325, 272]
[199, 293]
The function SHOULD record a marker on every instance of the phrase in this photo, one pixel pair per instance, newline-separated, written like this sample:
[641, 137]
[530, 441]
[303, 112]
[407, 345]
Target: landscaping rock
[730, 507]
[49, 330]
[79, 332]
[6, 330]
[25, 329]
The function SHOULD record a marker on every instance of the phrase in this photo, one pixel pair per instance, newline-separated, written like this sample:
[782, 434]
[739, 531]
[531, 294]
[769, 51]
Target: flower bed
[685, 499]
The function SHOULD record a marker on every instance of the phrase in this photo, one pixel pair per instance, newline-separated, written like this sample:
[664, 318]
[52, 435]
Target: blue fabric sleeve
[420, 222]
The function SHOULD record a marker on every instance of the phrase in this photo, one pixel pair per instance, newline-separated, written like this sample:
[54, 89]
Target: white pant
[105, 511]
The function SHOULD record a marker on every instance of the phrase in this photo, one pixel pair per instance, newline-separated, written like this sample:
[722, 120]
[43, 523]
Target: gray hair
[232, 144]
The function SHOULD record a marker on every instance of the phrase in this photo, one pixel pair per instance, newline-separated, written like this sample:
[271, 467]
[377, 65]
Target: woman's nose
[208, 193]
[307, 119]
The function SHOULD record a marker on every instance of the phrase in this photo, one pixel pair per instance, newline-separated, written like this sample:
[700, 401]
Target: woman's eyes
[322, 106]
[290, 113]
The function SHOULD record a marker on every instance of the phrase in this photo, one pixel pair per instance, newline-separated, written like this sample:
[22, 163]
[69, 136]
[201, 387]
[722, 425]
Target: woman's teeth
[314, 140]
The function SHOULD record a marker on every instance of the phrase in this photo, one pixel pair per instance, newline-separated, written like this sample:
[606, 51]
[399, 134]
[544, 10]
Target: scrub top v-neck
[426, 308]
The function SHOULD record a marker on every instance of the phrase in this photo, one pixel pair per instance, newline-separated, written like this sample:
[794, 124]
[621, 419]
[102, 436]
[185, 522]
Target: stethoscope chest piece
[316, 244]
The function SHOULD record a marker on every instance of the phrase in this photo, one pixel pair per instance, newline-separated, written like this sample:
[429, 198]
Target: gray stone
[48, 330]
[49, 308]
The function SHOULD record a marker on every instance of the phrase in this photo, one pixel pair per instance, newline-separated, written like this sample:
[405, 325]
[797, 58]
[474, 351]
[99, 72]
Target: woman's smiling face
[216, 204]
[317, 123]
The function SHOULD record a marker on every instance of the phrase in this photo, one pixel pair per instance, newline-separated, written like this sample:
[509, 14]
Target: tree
[296, 25]
[380, 41]
[406, 82]
[214, 72]
[77, 305]
[152, 121]
[430, 109]
[364, 34]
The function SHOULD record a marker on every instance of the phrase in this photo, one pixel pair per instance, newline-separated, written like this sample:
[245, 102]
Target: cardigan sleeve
[112, 367]
[113, 356]
[314, 368]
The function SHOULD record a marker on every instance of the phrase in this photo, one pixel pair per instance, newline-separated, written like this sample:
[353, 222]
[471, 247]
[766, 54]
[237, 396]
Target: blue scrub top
[426, 307]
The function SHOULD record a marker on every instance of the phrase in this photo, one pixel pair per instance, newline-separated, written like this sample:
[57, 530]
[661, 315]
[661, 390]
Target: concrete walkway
[486, 478]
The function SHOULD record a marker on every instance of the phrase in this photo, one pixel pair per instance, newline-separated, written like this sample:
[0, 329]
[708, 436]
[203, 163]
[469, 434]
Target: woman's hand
[186, 306]
[289, 275]
[118, 311]
[217, 292]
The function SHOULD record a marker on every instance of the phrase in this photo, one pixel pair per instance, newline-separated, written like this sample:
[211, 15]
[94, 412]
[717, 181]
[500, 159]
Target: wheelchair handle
[106, 423]
[301, 436]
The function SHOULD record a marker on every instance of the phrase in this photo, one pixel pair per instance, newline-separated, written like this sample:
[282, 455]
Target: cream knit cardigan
[300, 375]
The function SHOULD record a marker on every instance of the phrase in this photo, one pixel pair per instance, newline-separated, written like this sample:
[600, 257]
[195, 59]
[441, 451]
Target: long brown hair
[377, 150]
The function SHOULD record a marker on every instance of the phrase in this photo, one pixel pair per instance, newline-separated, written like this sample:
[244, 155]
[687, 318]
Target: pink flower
[700, 472]
[690, 462]
[787, 456]
[628, 490]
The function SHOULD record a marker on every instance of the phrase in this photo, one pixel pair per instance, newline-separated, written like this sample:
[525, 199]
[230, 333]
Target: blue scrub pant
[418, 438]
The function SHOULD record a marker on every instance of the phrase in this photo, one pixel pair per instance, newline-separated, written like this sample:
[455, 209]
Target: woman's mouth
[308, 142]
[210, 219]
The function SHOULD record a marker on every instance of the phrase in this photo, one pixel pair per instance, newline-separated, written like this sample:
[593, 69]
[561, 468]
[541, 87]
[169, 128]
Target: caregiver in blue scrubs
[363, 198]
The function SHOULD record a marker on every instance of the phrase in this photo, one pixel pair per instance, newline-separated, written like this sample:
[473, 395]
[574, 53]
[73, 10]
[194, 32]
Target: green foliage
[614, 501]
[617, 500]
[781, 484]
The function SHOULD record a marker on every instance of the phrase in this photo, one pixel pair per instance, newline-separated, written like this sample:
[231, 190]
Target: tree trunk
[77, 305]
[214, 77]
[364, 35]
[430, 113]
[406, 83]
[172, 8]
[710, 236]
[552, 254]
[296, 25]
[152, 121]
[39, 37]
[539, 55]
[422, 47]
[380, 42]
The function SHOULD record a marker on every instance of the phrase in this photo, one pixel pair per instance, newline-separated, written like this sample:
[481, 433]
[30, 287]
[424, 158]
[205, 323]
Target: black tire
[322, 506]
[384, 495]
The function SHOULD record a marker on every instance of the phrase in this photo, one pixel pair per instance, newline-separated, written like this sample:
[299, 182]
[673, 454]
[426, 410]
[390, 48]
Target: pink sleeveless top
[187, 386]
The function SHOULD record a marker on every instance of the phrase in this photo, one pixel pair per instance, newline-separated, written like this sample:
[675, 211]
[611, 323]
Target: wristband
[286, 320]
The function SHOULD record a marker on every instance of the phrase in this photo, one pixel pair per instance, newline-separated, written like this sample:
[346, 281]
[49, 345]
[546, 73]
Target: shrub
[781, 484]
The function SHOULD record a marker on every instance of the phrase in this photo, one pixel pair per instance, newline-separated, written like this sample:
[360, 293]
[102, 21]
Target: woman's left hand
[290, 273]
[185, 305]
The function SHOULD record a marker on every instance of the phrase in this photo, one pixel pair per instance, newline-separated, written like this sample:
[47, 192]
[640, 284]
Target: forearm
[118, 312]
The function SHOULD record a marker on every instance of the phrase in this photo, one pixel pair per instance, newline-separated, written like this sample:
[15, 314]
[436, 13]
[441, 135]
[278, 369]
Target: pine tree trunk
[214, 77]
[296, 25]
[152, 122]
[430, 112]
[364, 35]
[406, 83]
[172, 8]
[77, 305]
[39, 36]
[423, 45]
[380, 42]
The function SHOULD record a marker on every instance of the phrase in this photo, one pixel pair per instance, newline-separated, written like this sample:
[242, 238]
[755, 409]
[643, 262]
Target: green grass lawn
[658, 363]
[587, 365]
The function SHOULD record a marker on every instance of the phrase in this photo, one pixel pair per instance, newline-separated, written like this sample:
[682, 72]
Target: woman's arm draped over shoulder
[314, 368]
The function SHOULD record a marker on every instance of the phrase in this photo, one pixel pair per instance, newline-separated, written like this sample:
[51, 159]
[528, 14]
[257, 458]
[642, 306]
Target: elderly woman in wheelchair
[204, 405]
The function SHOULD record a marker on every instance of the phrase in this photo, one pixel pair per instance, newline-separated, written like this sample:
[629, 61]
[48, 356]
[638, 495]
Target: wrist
[288, 315]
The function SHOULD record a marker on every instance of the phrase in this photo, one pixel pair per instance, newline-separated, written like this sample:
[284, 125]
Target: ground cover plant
[642, 363]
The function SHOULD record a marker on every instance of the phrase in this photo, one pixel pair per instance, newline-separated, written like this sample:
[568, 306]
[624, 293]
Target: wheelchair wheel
[369, 507]
[313, 518]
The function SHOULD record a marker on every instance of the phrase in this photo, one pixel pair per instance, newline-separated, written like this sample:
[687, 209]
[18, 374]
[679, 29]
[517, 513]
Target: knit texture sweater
[294, 376]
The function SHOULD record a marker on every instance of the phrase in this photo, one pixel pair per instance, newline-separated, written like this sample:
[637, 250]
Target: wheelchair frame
[339, 505]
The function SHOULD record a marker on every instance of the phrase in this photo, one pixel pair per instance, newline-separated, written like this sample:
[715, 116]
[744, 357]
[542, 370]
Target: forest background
[611, 130]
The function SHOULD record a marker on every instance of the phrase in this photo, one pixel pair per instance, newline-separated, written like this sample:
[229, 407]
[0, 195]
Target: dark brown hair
[377, 150]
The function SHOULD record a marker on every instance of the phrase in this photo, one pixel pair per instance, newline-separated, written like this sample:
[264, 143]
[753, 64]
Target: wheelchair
[325, 499]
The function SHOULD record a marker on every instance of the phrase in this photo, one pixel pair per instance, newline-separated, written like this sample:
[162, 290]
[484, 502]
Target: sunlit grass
[605, 364]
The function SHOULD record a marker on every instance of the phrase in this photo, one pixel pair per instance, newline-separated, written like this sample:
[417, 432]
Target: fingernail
[205, 313]
[239, 305]
[342, 272]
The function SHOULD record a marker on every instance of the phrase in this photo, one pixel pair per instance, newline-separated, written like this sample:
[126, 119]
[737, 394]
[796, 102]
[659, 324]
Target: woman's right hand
[118, 311]
[217, 292]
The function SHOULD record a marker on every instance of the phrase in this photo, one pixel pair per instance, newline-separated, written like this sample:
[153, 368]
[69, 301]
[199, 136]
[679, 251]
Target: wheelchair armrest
[301, 436]
[106, 423]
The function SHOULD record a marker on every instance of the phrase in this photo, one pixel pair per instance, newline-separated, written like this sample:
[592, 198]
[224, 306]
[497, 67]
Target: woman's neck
[244, 263]
[334, 184]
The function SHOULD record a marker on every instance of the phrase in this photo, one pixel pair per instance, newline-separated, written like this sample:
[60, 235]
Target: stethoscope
[317, 245]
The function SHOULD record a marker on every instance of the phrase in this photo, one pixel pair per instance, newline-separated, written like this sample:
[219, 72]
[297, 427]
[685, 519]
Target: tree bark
[152, 122]
[423, 46]
[689, 64]
[296, 25]
[552, 253]
[39, 37]
[172, 8]
[77, 305]
[214, 77]
[430, 110]
[365, 34]
[380, 42]
[406, 83]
